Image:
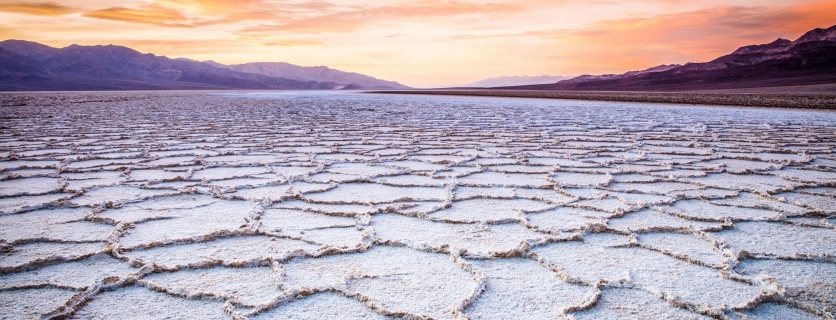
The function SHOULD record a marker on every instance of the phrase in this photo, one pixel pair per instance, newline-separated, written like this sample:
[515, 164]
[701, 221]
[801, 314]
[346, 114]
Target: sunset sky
[424, 42]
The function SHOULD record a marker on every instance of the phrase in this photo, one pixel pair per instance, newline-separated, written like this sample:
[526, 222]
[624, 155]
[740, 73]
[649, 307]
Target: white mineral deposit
[307, 205]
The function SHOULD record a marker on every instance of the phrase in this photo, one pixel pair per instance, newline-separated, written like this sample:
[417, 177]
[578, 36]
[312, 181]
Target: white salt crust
[354, 206]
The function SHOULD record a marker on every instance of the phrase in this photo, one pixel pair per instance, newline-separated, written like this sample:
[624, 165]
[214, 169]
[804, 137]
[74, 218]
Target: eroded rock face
[311, 206]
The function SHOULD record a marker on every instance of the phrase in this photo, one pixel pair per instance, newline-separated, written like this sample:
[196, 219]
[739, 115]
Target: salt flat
[311, 205]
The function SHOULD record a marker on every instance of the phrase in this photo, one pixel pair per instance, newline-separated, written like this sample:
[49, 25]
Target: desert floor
[311, 205]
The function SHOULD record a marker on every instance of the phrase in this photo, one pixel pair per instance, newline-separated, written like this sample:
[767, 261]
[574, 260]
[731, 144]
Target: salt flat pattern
[355, 206]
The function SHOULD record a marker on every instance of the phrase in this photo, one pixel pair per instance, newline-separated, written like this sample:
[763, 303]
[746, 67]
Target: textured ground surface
[357, 206]
[800, 97]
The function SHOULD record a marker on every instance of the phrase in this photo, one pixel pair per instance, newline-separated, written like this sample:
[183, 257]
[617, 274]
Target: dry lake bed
[311, 205]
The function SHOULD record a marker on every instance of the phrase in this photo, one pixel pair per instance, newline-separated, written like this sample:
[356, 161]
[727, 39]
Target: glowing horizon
[424, 43]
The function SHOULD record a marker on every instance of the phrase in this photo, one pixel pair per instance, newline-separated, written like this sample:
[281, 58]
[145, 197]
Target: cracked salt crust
[29, 187]
[372, 193]
[395, 278]
[31, 303]
[75, 274]
[774, 311]
[808, 285]
[488, 210]
[515, 287]
[626, 303]
[37, 254]
[136, 302]
[245, 250]
[706, 211]
[311, 205]
[690, 247]
[476, 239]
[63, 224]
[326, 305]
[780, 240]
[245, 286]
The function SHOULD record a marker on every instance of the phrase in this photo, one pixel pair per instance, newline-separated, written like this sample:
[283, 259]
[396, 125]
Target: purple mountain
[811, 59]
[30, 66]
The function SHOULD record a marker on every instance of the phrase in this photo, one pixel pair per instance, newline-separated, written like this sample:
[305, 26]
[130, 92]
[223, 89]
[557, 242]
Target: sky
[423, 43]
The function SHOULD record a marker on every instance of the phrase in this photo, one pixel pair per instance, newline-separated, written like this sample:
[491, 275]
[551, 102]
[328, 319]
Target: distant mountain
[588, 78]
[810, 59]
[319, 74]
[514, 81]
[29, 66]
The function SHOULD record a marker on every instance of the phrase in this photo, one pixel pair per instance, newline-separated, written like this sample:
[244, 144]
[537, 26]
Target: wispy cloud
[150, 14]
[353, 20]
[687, 36]
[196, 13]
[223, 7]
[292, 43]
[39, 9]
[213, 6]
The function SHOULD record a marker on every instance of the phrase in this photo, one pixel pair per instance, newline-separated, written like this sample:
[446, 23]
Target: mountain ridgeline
[508, 81]
[318, 74]
[30, 66]
[809, 60]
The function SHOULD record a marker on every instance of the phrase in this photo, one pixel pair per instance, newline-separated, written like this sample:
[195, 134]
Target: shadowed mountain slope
[811, 59]
[30, 66]
[319, 74]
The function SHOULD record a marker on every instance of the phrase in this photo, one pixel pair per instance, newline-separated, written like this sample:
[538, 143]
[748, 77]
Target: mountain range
[318, 74]
[31, 66]
[809, 60]
[508, 81]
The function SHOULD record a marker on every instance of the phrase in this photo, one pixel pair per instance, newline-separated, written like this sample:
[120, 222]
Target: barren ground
[800, 97]
[304, 205]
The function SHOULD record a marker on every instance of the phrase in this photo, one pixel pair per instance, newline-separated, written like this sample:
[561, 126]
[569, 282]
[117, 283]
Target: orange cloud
[39, 9]
[223, 6]
[155, 15]
[214, 7]
[291, 43]
[628, 44]
[353, 20]
[170, 13]
[231, 11]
